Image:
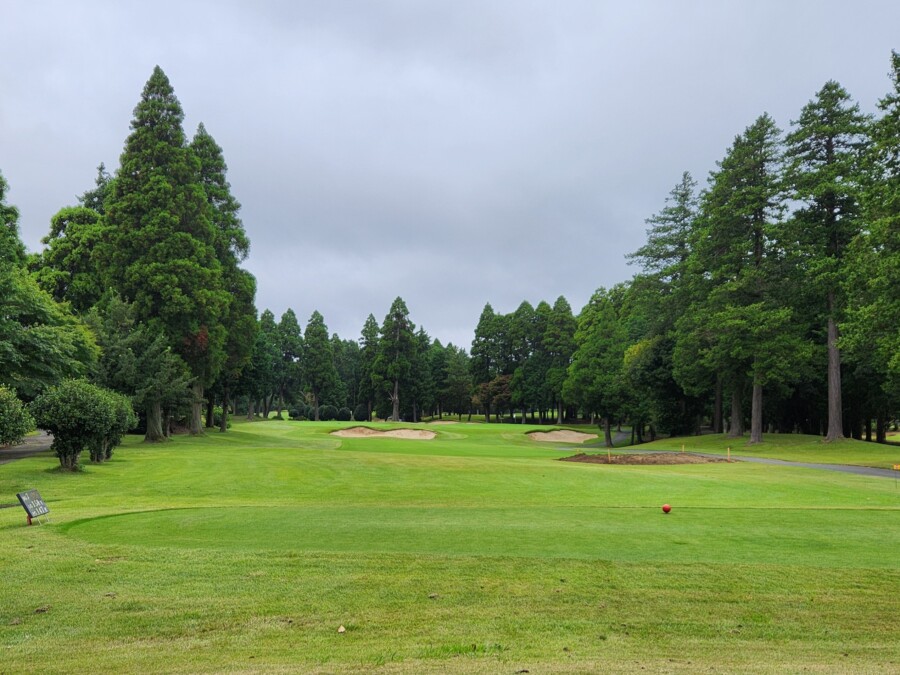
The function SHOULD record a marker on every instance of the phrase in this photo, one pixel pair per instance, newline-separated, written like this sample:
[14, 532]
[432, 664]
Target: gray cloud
[451, 153]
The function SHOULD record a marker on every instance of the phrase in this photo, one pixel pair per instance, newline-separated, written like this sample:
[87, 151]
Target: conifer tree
[160, 245]
[396, 353]
[318, 360]
[825, 152]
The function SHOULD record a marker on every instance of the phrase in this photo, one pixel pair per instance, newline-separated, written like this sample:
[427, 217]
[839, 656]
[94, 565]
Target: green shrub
[327, 413]
[361, 413]
[344, 415]
[80, 416]
[15, 422]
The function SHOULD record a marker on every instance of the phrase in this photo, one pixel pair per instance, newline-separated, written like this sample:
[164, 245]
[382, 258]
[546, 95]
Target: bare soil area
[366, 432]
[645, 458]
[561, 436]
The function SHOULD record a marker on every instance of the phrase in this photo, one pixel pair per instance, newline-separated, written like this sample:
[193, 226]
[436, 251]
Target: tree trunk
[559, 412]
[607, 432]
[210, 413]
[369, 418]
[223, 421]
[718, 427]
[835, 412]
[756, 417]
[280, 405]
[251, 410]
[395, 400]
[197, 408]
[736, 423]
[316, 405]
[881, 428]
[154, 432]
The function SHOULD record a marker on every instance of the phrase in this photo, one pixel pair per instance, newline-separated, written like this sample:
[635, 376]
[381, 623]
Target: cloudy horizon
[450, 153]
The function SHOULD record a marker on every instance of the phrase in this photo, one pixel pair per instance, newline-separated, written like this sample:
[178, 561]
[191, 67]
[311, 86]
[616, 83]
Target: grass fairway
[472, 552]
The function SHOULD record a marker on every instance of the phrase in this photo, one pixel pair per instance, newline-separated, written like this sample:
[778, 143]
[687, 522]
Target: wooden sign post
[34, 505]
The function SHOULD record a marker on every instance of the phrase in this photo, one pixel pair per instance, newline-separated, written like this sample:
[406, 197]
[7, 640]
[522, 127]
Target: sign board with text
[33, 503]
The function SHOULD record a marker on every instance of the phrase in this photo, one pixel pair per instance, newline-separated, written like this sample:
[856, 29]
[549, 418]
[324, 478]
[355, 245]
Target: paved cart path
[843, 468]
[33, 445]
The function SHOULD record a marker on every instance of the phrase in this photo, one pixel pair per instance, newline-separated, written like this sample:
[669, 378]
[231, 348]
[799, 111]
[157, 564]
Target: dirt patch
[561, 436]
[366, 432]
[646, 458]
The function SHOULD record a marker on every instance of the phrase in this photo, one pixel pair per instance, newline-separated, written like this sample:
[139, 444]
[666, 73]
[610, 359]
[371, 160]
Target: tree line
[768, 299]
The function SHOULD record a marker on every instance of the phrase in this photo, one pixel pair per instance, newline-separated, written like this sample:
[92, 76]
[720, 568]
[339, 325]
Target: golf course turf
[476, 551]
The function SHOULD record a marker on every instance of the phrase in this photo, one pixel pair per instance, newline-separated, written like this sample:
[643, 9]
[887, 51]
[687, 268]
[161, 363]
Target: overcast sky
[453, 153]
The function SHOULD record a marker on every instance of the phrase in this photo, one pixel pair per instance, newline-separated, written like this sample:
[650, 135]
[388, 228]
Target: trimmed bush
[344, 414]
[327, 413]
[361, 413]
[15, 421]
[80, 416]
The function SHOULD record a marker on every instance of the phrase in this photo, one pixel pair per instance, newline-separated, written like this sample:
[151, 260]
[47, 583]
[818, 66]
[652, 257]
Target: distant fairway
[472, 552]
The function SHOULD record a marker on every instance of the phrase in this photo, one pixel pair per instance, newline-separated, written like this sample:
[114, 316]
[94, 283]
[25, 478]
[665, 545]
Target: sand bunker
[366, 432]
[646, 458]
[442, 422]
[561, 436]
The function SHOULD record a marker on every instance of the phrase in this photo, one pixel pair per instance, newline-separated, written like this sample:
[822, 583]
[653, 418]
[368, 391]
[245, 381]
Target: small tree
[15, 421]
[81, 415]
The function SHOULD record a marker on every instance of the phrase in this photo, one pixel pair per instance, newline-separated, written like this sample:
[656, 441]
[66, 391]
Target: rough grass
[475, 552]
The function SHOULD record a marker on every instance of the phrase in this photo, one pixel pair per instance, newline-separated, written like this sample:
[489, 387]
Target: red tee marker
[666, 508]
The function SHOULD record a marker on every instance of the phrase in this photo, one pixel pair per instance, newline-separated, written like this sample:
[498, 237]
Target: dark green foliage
[326, 413]
[231, 245]
[459, 387]
[558, 343]
[68, 268]
[40, 341]
[871, 333]
[95, 199]
[368, 350]
[12, 250]
[319, 372]
[825, 153]
[361, 413]
[15, 420]
[394, 360]
[344, 415]
[595, 380]
[137, 361]
[160, 249]
[80, 416]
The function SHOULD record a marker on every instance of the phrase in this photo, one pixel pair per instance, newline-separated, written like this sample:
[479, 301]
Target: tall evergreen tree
[559, 344]
[368, 347]
[290, 341]
[160, 243]
[595, 374]
[318, 360]
[396, 353]
[825, 152]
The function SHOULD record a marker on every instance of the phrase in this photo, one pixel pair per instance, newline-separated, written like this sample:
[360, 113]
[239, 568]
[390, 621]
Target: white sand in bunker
[561, 436]
[366, 432]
